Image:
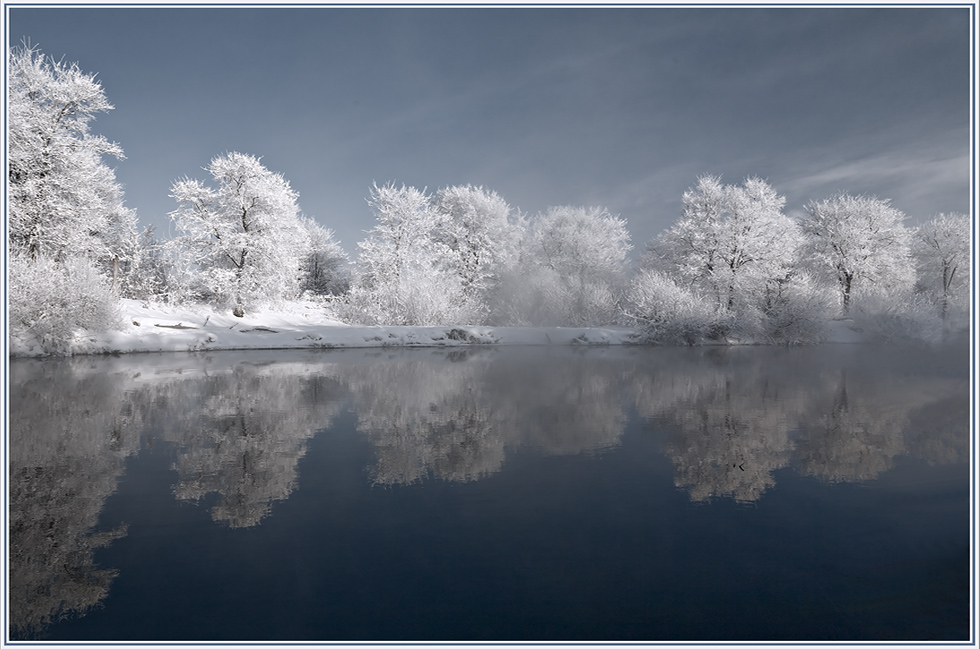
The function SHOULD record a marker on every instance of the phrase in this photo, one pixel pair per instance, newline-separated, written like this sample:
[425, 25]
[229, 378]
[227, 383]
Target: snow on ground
[301, 325]
[304, 325]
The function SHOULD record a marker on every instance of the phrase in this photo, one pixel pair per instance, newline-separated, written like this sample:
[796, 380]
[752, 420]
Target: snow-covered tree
[732, 242]
[324, 266]
[404, 277]
[50, 301]
[143, 269]
[63, 199]
[942, 252]
[66, 220]
[861, 245]
[668, 313]
[244, 235]
[572, 269]
[479, 228]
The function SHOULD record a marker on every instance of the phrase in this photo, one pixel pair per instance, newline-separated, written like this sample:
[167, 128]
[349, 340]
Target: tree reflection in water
[71, 428]
[728, 420]
[457, 418]
[732, 417]
[425, 416]
[246, 433]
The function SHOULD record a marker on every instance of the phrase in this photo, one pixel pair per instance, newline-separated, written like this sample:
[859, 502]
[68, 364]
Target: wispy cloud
[921, 183]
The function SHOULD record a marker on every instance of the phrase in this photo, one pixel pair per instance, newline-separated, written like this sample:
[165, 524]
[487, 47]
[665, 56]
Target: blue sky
[617, 107]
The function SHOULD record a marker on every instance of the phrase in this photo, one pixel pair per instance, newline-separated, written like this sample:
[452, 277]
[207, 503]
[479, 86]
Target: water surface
[551, 493]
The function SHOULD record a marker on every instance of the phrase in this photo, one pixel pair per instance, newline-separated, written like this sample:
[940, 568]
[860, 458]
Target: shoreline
[154, 328]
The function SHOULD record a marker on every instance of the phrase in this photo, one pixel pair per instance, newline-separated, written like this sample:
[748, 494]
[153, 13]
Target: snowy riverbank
[304, 325]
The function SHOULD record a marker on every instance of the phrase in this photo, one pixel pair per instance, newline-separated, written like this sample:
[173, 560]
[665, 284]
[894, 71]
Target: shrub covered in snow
[797, 311]
[50, 302]
[669, 314]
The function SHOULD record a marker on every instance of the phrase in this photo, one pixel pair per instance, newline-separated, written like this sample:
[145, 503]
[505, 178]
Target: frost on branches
[942, 252]
[67, 225]
[324, 266]
[574, 267]
[243, 235]
[734, 249]
[406, 274]
[482, 234]
[860, 245]
[51, 301]
[64, 201]
[731, 243]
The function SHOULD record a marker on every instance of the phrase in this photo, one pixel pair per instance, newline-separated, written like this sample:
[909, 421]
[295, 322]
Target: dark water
[493, 494]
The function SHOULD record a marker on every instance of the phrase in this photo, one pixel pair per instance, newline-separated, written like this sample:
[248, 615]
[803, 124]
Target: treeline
[733, 266]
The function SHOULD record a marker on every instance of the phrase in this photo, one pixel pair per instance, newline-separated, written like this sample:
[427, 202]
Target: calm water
[493, 494]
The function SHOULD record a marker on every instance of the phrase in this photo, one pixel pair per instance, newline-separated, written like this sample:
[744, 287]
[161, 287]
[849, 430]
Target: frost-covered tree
[482, 232]
[244, 234]
[324, 266]
[571, 270]
[50, 301]
[942, 252]
[403, 274]
[670, 314]
[732, 242]
[66, 218]
[64, 201]
[143, 268]
[860, 244]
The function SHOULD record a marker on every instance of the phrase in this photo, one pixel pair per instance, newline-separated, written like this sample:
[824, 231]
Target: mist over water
[495, 493]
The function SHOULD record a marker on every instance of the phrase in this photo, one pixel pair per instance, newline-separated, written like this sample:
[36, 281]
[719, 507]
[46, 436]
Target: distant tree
[403, 277]
[942, 252]
[244, 234]
[324, 266]
[733, 243]
[861, 245]
[144, 270]
[63, 200]
[573, 267]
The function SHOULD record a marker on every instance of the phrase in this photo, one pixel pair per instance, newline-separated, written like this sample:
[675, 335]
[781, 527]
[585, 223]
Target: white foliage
[670, 314]
[143, 267]
[244, 234]
[942, 254]
[730, 242]
[50, 302]
[63, 200]
[479, 228]
[572, 269]
[404, 277]
[324, 266]
[797, 311]
[860, 244]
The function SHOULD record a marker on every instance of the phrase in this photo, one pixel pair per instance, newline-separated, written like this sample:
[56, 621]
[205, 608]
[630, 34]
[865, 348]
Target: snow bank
[303, 325]
[156, 328]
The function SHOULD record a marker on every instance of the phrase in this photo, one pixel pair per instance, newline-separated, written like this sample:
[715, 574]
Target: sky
[621, 108]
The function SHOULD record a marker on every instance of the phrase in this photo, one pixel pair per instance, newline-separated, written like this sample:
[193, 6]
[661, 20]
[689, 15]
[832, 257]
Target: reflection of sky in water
[552, 453]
